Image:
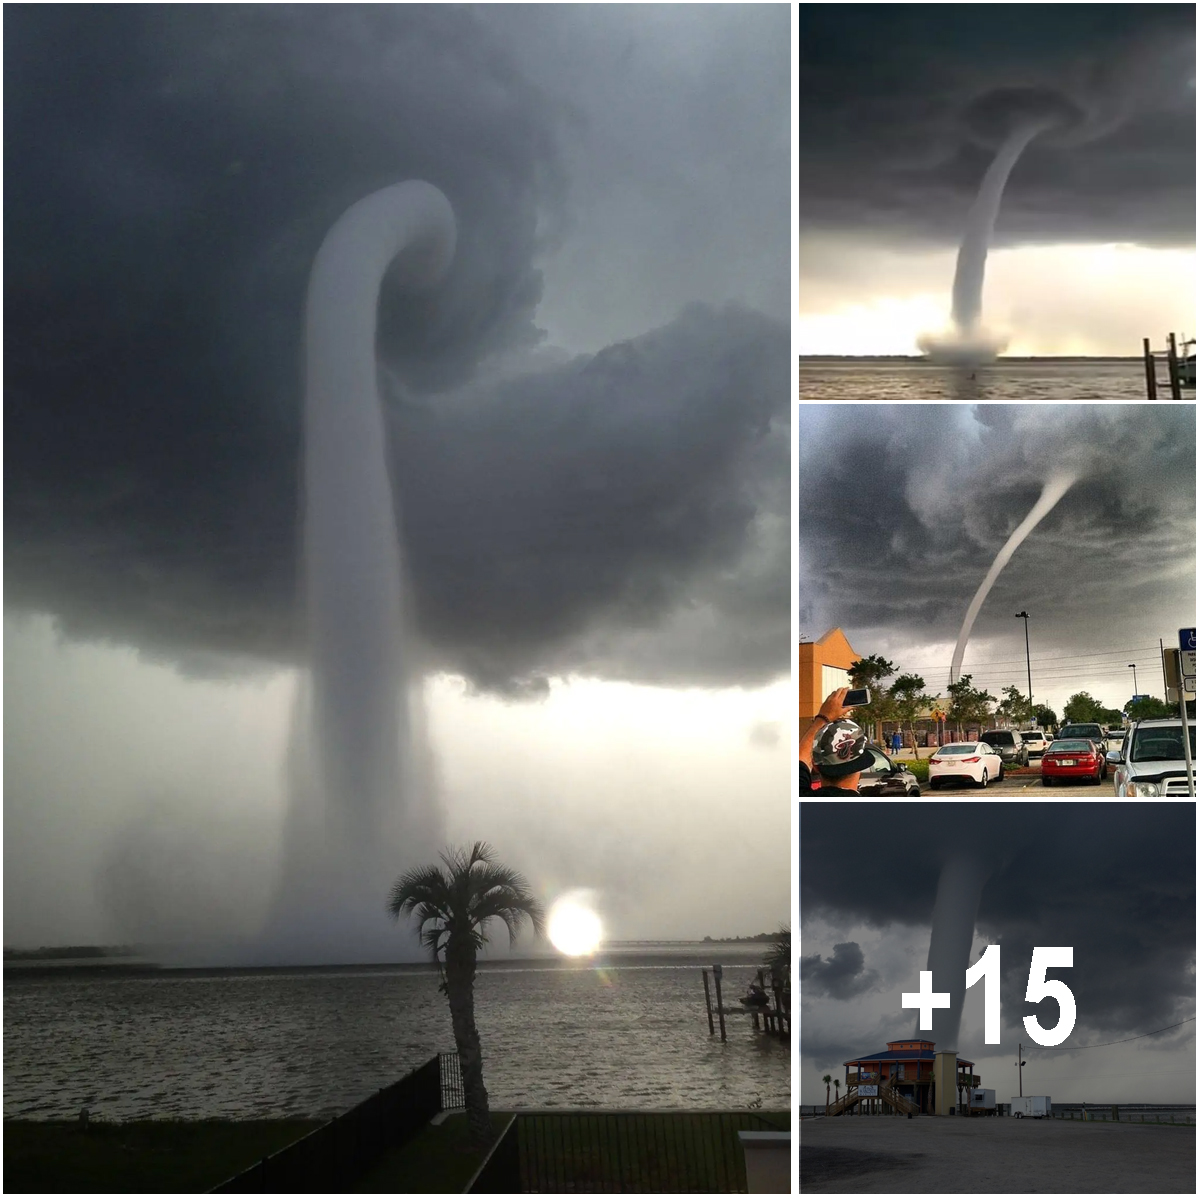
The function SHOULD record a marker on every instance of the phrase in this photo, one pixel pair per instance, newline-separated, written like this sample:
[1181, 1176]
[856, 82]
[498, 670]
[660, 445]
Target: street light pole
[1028, 671]
[1134, 666]
[1020, 1064]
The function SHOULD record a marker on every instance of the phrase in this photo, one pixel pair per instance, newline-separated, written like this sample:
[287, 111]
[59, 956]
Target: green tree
[826, 1080]
[453, 907]
[870, 672]
[1110, 717]
[1082, 708]
[837, 1083]
[969, 705]
[908, 699]
[1149, 708]
[1015, 706]
[1045, 717]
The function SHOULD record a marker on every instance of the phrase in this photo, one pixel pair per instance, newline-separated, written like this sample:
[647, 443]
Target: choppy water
[313, 1043]
[828, 380]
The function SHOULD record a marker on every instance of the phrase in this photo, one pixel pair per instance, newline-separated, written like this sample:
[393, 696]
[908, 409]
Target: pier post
[708, 1003]
[1151, 379]
[1173, 367]
[720, 1005]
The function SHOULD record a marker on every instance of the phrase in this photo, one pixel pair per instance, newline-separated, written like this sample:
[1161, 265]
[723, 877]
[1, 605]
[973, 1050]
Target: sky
[902, 509]
[900, 113]
[1115, 881]
[588, 434]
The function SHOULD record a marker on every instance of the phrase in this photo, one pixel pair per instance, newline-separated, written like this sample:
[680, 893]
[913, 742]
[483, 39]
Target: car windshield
[999, 737]
[1081, 731]
[1161, 743]
[1032, 737]
[1071, 744]
[960, 748]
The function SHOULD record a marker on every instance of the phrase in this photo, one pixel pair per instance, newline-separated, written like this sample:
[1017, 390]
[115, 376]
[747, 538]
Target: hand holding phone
[856, 697]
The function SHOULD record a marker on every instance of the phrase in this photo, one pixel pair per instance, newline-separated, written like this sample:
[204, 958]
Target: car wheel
[1045, 781]
[933, 785]
[1001, 775]
[983, 781]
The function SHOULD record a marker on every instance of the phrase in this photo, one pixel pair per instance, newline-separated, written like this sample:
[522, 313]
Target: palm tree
[452, 907]
[778, 958]
[837, 1083]
[826, 1079]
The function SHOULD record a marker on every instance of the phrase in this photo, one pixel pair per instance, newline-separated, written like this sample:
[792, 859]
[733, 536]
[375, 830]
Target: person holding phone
[834, 746]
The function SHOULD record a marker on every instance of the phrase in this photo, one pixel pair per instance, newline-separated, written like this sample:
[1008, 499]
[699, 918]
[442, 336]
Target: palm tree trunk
[460, 993]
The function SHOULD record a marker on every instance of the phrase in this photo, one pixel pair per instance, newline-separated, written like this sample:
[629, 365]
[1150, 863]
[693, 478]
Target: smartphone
[856, 697]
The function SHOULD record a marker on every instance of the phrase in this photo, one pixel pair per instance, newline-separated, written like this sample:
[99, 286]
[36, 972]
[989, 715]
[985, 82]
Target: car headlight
[1141, 789]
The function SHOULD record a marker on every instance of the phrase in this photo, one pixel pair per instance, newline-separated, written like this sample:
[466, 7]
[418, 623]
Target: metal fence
[620, 1152]
[453, 1095]
[333, 1157]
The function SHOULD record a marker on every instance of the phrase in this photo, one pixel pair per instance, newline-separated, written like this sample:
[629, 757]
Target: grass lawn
[439, 1159]
[137, 1156]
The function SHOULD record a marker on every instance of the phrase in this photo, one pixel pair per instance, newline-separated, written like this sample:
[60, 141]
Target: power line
[1003, 662]
[1132, 1039]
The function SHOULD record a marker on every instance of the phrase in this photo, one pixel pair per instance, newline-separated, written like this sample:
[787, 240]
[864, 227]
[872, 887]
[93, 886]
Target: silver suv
[1008, 744]
[1150, 761]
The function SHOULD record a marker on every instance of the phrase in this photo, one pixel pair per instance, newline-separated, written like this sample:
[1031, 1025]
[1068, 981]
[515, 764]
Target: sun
[573, 929]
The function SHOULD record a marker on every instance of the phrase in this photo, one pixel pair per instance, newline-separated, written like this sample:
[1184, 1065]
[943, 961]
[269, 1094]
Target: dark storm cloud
[902, 106]
[902, 509]
[170, 173]
[1114, 881]
[841, 975]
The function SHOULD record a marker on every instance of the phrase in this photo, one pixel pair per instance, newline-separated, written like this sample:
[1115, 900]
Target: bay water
[241, 1044]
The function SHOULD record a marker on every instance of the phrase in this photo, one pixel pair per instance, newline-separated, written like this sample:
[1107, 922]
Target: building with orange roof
[824, 667]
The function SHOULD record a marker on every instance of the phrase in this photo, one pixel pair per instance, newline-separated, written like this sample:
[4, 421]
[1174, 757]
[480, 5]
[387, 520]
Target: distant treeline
[754, 937]
[68, 952]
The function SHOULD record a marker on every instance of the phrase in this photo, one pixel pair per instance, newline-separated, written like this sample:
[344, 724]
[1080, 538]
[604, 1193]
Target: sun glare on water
[573, 929]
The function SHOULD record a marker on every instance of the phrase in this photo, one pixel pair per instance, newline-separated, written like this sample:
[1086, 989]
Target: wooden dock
[1181, 368]
[773, 1017]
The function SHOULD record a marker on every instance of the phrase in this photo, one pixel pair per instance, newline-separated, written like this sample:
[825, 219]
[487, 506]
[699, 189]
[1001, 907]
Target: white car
[975, 761]
[1035, 741]
[1150, 761]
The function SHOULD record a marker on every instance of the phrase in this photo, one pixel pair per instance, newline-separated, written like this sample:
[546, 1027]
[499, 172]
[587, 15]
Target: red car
[1073, 758]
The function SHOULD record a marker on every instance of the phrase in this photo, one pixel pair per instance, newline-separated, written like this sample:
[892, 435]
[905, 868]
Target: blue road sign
[1187, 639]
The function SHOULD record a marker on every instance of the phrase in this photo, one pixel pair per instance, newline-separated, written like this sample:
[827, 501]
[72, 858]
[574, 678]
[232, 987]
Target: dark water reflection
[314, 1043]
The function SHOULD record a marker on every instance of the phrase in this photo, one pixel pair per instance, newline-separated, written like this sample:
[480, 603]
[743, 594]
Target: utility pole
[1019, 1064]
[1134, 666]
[1028, 671]
[1162, 658]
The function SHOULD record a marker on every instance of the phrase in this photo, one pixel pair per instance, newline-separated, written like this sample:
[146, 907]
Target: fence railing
[619, 1152]
[337, 1154]
[453, 1095]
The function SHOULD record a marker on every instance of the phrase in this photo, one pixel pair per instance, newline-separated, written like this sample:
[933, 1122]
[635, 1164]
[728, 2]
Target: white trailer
[983, 1101]
[1031, 1106]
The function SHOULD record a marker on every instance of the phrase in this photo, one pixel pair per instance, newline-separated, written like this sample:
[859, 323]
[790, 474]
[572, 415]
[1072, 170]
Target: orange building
[824, 667]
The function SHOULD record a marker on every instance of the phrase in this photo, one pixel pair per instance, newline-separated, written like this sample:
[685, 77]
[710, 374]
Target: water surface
[826, 380]
[312, 1043]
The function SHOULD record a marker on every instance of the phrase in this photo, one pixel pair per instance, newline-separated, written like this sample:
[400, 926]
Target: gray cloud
[840, 976]
[170, 173]
[897, 149]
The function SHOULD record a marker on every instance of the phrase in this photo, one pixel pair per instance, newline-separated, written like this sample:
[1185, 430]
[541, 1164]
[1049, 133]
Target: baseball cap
[841, 749]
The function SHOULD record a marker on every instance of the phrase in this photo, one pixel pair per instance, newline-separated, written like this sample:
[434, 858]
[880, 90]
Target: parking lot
[945, 1154]
[1028, 786]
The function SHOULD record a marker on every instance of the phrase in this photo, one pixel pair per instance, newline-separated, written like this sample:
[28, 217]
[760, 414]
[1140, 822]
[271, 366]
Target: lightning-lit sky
[589, 437]
[902, 509]
[1115, 881]
[900, 113]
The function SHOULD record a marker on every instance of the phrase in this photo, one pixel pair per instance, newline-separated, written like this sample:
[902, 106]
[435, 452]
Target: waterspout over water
[359, 807]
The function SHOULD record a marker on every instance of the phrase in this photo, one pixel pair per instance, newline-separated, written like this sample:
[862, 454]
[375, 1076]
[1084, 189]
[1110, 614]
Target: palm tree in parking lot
[452, 905]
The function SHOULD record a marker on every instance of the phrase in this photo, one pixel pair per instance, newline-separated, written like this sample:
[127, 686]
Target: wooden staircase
[888, 1094]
